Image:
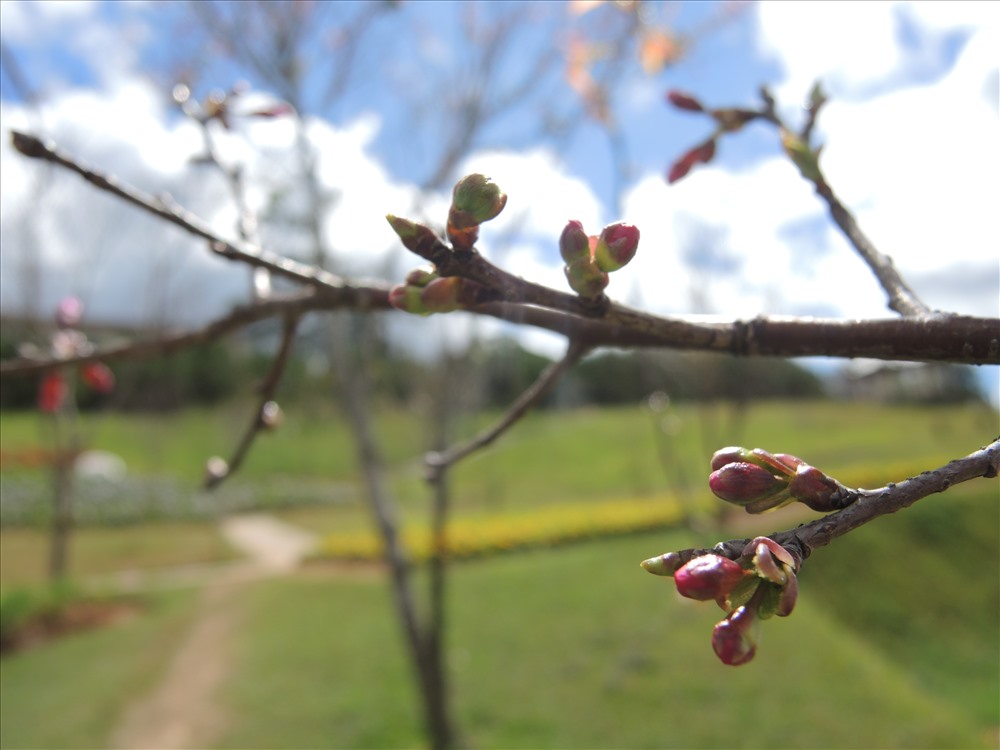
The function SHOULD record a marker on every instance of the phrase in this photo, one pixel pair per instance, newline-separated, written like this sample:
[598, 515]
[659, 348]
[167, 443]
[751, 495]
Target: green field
[895, 641]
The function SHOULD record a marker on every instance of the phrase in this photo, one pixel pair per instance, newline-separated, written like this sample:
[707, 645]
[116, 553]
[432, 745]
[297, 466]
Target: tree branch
[260, 419]
[309, 300]
[870, 504]
[167, 209]
[439, 463]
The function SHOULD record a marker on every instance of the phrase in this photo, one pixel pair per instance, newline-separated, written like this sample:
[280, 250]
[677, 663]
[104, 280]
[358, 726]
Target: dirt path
[183, 710]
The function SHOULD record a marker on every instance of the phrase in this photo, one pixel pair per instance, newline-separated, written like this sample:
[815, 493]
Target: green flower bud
[476, 199]
[616, 246]
[422, 276]
[662, 565]
[415, 237]
[407, 298]
[585, 278]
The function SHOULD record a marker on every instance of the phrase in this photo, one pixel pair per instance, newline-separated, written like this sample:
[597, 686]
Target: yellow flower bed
[558, 524]
[470, 537]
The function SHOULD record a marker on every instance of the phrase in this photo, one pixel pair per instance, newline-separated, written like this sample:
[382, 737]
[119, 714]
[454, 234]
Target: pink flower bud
[98, 377]
[743, 483]
[708, 577]
[52, 392]
[574, 242]
[585, 278]
[684, 101]
[616, 246]
[735, 639]
[69, 312]
[816, 490]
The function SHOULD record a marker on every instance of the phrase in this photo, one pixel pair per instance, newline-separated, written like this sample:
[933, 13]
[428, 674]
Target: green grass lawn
[577, 648]
[70, 693]
[894, 642]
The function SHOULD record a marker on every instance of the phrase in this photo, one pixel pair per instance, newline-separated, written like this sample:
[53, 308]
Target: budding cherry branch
[462, 279]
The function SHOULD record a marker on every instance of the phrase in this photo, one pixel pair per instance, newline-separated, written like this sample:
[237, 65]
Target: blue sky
[910, 134]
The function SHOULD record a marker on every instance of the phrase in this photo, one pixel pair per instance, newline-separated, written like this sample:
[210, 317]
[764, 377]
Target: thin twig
[438, 463]
[267, 391]
[168, 209]
[309, 300]
[902, 299]
[870, 504]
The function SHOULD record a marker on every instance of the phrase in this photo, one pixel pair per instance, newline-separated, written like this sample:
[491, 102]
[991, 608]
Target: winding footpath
[183, 710]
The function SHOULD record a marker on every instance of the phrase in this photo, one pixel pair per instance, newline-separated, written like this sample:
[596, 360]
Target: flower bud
[781, 554]
[98, 377]
[684, 101]
[415, 237]
[735, 639]
[69, 312]
[271, 415]
[708, 577]
[421, 276]
[816, 490]
[441, 295]
[616, 246]
[730, 455]
[574, 242]
[804, 157]
[663, 565]
[767, 567]
[585, 278]
[52, 392]
[476, 199]
[407, 298]
[742, 483]
[216, 469]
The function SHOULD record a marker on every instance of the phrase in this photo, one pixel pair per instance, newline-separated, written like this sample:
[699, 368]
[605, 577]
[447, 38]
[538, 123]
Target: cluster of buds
[727, 120]
[758, 481]
[425, 292]
[67, 342]
[475, 200]
[589, 259]
[759, 584]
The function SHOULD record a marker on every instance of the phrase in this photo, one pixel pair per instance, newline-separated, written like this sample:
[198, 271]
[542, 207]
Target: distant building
[874, 380]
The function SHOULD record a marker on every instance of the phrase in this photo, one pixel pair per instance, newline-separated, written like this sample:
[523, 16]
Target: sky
[910, 143]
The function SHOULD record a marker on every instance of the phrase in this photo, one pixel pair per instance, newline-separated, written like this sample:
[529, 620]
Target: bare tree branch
[166, 208]
[438, 463]
[902, 299]
[869, 505]
[260, 419]
[952, 338]
[310, 300]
